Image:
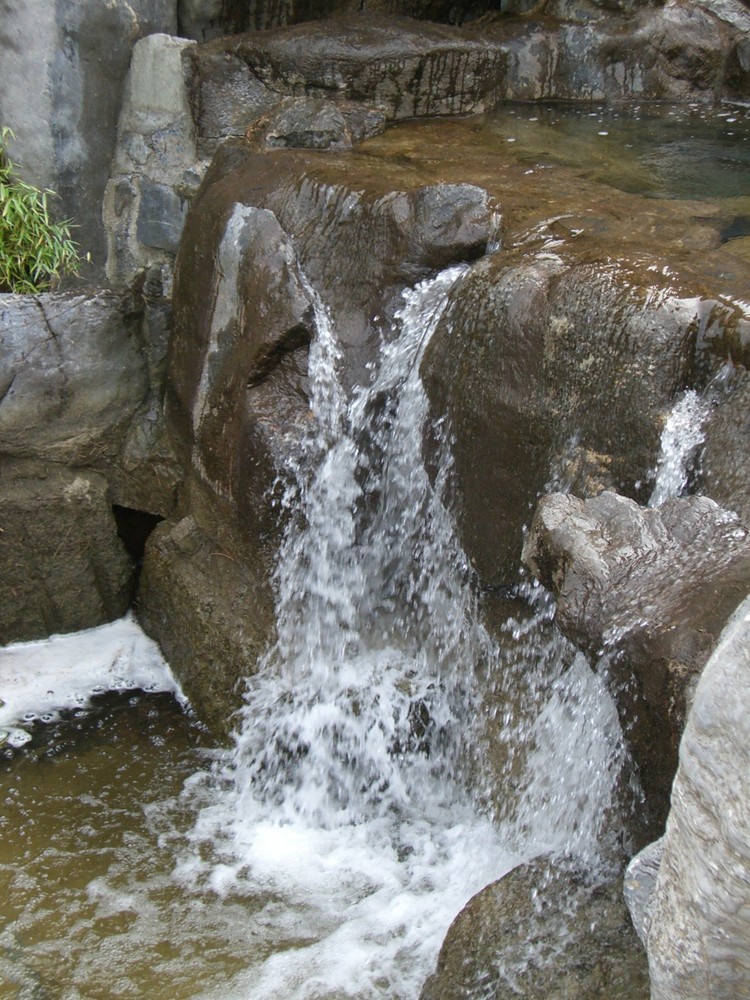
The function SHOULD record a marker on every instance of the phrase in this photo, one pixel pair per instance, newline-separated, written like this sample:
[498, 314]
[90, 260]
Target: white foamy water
[345, 807]
[681, 438]
[40, 679]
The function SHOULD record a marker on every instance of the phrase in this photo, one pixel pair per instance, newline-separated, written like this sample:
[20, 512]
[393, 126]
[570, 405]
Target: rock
[404, 68]
[261, 234]
[540, 366]
[543, 931]
[211, 612]
[311, 123]
[666, 52]
[698, 934]
[232, 327]
[725, 457]
[66, 127]
[156, 168]
[640, 879]
[62, 566]
[73, 373]
[651, 589]
[161, 216]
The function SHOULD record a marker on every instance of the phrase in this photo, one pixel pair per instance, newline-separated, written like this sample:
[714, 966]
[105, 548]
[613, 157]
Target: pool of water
[695, 151]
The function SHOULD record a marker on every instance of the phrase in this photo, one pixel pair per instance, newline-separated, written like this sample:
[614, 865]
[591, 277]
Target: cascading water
[346, 807]
[681, 438]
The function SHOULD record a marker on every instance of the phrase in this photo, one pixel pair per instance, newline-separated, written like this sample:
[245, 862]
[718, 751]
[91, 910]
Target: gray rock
[313, 123]
[156, 168]
[638, 888]
[66, 128]
[62, 566]
[700, 914]
[543, 932]
[725, 458]
[405, 68]
[161, 216]
[651, 589]
[73, 374]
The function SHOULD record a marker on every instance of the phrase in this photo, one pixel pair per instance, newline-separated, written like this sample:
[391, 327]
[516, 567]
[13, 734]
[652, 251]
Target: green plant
[35, 252]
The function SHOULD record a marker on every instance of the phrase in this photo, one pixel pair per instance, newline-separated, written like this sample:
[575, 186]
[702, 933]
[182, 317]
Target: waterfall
[353, 805]
[681, 438]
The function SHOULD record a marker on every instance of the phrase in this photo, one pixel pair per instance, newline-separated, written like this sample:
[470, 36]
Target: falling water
[349, 807]
[681, 438]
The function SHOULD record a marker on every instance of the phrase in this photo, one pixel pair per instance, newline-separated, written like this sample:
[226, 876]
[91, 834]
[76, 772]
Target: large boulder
[81, 386]
[698, 923]
[543, 364]
[62, 566]
[212, 612]
[73, 374]
[401, 67]
[646, 592]
[545, 931]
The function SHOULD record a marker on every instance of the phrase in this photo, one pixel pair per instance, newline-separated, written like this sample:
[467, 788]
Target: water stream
[326, 854]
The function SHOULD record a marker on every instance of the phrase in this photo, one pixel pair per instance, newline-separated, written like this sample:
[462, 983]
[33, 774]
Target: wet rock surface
[541, 932]
[725, 456]
[556, 352]
[212, 612]
[649, 590]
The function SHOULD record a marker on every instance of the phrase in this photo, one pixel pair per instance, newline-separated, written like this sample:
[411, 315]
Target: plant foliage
[35, 252]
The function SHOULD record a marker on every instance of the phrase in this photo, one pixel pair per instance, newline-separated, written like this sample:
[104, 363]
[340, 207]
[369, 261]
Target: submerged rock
[650, 591]
[544, 932]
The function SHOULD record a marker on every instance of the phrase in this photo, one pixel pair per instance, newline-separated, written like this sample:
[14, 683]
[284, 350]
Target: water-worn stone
[672, 51]
[539, 363]
[402, 67]
[699, 928]
[237, 392]
[543, 932]
[638, 887]
[211, 611]
[725, 456]
[652, 589]
[62, 566]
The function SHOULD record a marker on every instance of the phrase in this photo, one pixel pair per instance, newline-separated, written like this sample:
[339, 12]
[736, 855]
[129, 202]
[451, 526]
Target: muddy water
[89, 905]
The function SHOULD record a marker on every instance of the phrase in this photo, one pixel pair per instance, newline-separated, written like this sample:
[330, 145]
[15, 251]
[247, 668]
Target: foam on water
[40, 679]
